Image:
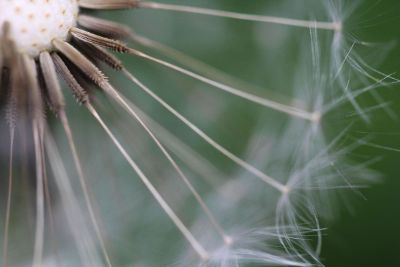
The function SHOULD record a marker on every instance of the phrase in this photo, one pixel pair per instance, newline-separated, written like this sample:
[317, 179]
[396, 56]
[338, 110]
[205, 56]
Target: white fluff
[35, 23]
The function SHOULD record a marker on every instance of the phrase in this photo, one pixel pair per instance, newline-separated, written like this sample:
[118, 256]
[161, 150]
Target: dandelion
[45, 43]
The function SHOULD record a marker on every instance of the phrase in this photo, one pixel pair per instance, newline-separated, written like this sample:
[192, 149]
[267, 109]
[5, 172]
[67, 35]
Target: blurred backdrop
[365, 229]
[362, 227]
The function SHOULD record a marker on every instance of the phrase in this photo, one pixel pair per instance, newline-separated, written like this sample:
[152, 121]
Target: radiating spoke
[333, 26]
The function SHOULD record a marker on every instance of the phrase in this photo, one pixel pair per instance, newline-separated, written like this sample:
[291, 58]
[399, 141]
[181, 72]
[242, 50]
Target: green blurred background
[369, 234]
[364, 232]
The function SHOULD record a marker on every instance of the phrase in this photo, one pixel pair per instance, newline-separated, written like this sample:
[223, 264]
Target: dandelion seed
[43, 42]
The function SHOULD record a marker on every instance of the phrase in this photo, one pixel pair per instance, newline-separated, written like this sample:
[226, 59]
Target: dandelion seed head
[35, 23]
[262, 209]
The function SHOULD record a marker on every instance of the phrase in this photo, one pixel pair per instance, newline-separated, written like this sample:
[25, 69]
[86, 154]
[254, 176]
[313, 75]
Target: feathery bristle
[80, 61]
[94, 39]
[77, 90]
[294, 160]
[99, 54]
[52, 84]
[104, 27]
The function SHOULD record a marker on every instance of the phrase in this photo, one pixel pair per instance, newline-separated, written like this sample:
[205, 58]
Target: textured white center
[35, 23]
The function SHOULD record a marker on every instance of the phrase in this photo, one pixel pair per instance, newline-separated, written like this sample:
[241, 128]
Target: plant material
[45, 42]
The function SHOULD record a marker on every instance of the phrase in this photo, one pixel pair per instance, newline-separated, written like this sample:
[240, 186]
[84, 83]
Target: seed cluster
[43, 41]
[35, 23]
[40, 42]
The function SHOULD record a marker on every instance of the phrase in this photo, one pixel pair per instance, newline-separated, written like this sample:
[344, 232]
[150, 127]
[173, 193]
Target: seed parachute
[50, 48]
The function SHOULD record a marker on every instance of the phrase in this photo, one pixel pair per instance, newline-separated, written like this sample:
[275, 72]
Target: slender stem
[39, 231]
[207, 70]
[76, 220]
[119, 99]
[164, 205]
[85, 189]
[334, 26]
[51, 218]
[9, 194]
[234, 91]
[250, 168]
[186, 154]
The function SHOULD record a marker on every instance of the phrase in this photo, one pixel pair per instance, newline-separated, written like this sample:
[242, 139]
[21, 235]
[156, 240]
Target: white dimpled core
[35, 23]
